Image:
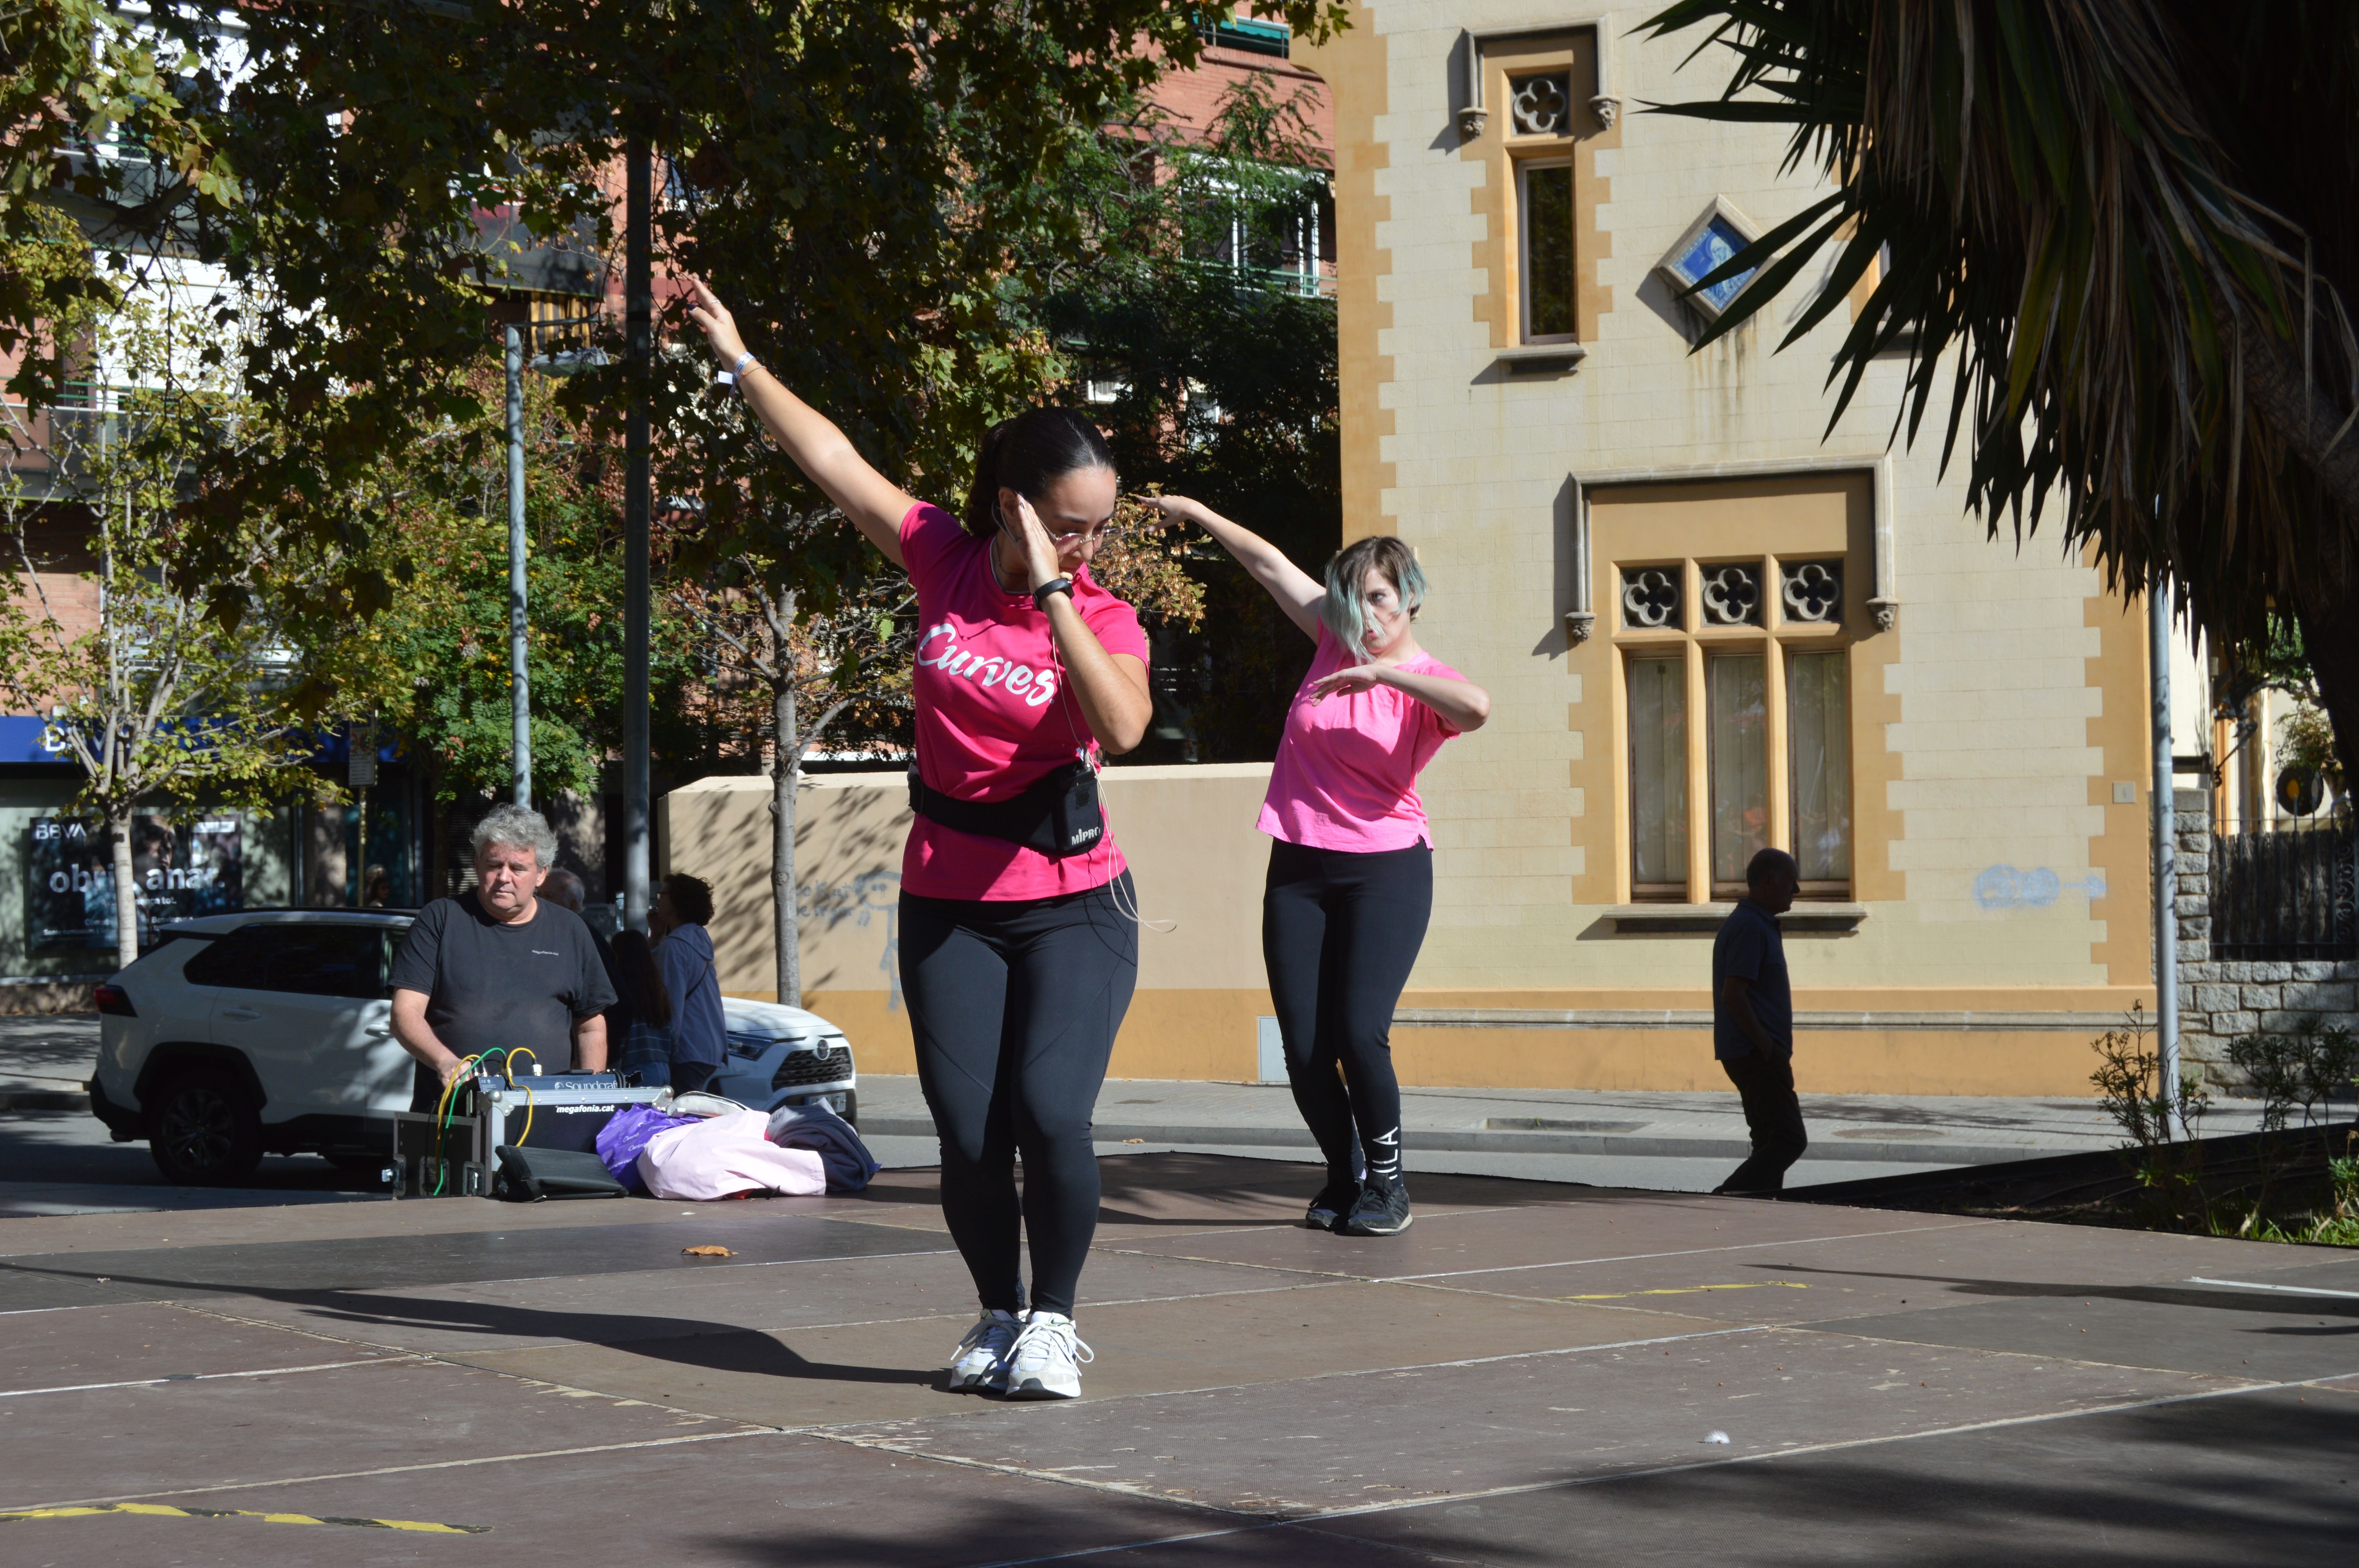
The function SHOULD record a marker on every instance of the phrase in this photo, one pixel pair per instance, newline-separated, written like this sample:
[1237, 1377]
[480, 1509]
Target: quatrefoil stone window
[1541, 104]
[1732, 595]
[1813, 592]
[1650, 596]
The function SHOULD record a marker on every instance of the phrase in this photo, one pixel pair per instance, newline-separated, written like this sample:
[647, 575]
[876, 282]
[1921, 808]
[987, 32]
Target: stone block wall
[2221, 998]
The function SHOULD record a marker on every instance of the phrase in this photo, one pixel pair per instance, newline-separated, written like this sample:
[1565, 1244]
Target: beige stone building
[1708, 623]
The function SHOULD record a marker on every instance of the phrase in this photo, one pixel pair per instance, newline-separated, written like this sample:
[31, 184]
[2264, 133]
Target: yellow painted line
[1691, 1290]
[162, 1511]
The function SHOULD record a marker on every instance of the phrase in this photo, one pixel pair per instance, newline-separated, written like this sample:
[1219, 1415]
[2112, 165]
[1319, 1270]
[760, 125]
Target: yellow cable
[512, 1055]
[441, 1110]
[451, 1087]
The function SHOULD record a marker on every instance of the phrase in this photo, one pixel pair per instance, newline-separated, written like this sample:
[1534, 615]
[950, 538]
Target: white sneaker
[981, 1359]
[1045, 1362]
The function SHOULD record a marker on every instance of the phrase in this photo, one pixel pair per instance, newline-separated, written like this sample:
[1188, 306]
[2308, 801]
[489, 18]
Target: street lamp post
[519, 680]
[2165, 855]
[638, 309]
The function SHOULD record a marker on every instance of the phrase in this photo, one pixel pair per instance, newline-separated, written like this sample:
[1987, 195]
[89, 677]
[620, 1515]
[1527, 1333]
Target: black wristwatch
[1063, 585]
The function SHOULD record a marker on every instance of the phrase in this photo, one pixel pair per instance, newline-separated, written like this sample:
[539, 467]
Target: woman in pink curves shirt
[1019, 947]
[1350, 874]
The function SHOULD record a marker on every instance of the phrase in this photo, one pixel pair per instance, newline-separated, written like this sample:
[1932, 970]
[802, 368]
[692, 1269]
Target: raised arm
[1297, 591]
[874, 503]
[1461, 704]
[1110, 688]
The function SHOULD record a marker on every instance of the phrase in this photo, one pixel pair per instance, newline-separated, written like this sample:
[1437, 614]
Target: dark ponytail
[1027, 454]
[639, 978]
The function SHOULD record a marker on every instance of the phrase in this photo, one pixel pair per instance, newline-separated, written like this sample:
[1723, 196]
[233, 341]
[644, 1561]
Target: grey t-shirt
[490, 985]
[1751, 948]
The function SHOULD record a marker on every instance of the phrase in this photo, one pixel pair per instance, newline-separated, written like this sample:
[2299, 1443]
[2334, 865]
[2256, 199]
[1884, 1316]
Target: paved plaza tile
[1533, 1373]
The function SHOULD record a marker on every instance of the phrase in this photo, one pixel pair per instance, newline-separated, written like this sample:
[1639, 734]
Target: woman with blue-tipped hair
[1350, 874]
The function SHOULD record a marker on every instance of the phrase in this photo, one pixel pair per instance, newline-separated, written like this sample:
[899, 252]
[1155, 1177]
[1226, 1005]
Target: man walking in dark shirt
[500, 965]
[1753, 1021]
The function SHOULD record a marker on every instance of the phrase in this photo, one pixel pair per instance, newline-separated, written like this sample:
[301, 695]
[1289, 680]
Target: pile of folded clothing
[700, 1146]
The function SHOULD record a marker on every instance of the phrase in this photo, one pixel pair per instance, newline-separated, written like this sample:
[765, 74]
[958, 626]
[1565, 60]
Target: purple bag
[626, 1134]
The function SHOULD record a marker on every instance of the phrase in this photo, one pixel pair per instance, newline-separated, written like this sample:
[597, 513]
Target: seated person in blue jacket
[699, 1041]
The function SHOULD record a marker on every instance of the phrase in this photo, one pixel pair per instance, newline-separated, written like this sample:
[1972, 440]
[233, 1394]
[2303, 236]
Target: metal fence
[2286, 897]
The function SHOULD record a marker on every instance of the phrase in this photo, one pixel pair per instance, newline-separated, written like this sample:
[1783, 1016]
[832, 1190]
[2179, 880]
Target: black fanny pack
[1059, 815]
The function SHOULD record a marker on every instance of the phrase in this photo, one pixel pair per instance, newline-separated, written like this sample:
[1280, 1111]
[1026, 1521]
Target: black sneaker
[1381, 1211]
[1333, 1202]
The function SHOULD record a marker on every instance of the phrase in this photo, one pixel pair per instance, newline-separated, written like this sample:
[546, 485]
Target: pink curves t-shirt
[1346, 772]
[993, 713]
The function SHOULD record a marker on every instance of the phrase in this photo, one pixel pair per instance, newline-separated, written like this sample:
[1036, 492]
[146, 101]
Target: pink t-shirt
[1347, 771]
[993, 713]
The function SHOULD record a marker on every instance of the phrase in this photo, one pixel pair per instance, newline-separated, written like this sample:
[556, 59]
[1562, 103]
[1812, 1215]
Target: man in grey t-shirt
[500, 967]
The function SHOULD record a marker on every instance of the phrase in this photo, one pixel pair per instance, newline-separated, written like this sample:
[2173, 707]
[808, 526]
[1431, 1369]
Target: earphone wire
[1127, 903]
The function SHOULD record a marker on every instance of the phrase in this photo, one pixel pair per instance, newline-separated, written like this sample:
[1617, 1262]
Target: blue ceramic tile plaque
[1714, 243]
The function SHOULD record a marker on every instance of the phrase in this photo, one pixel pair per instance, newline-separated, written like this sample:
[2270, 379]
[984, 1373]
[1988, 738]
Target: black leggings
[1015, 1006]
[1340, 932]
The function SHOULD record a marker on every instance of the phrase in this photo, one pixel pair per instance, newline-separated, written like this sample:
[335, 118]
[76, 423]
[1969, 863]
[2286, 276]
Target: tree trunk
[786, 774]
[126, 893]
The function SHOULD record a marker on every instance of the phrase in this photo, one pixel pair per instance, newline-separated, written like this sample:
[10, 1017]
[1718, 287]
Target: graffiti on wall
[2006, 887]
[870, 899]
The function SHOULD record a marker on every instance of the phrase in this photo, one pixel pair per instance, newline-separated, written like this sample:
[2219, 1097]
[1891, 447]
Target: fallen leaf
[707, 1252]
[1134, 1141]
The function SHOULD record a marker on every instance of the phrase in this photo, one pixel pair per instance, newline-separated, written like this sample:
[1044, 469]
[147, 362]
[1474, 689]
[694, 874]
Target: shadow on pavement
[2249, 1478]
[2252, 1479]
[679, 1341]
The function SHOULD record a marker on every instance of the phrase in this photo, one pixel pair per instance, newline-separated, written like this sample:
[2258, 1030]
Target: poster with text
[184, 867]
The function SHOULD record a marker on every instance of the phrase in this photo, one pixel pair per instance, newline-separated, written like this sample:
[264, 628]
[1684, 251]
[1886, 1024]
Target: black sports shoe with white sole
[1380, 1211]
[1333, 1202]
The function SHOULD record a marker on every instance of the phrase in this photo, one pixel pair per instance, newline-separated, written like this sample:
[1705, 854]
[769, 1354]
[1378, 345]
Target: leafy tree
[155, 700]
[78, 88]
[368, 164]
[432, 665]
[2122, 236]
[883, 193]
[1217, 368]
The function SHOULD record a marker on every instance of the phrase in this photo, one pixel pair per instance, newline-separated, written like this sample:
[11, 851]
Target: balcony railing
[1291, 280]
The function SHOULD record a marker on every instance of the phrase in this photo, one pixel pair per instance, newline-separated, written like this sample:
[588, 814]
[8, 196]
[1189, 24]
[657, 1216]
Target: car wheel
[203, 1131]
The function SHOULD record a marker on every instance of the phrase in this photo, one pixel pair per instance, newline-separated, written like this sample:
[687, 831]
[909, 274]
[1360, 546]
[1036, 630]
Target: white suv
[271, 1031]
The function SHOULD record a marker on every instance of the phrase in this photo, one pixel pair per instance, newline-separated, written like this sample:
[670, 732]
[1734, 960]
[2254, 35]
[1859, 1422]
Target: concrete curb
[1628, 1147]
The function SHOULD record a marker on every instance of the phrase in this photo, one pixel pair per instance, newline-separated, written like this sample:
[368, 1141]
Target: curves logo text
[988, 671]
